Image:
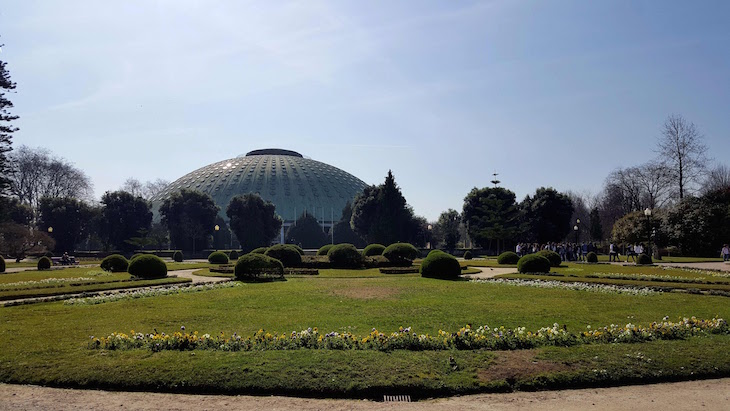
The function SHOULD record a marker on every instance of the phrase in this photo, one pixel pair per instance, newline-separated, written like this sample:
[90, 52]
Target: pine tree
[6, 129]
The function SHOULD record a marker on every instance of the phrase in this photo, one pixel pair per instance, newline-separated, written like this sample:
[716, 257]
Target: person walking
[612, 254]
[630, 253]
[725, 253]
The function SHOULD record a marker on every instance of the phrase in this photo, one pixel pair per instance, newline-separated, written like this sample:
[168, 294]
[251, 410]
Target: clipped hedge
[592, 257]
[467, 255]
[218, 257]
[533, 263]
[116, 263]
[253, 265]
[177, 256]
[324, 249]
[345, 256]
[286, 253]
[401, 253]
[508, 257]
[44, 263]
[644, 259]
[440, 265]
[148, 266]
[233, 255]
[373, 250]
[299, 249]
[552, 256]
[260, 250]
[2, 264]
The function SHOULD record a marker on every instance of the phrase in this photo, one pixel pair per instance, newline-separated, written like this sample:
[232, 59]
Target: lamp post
[430, 227]
[647, 213]
[215, 239]
[50, 230]
[576, 252]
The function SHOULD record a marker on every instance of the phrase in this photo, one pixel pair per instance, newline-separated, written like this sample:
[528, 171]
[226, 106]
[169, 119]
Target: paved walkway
[489, 272]
[699, 266]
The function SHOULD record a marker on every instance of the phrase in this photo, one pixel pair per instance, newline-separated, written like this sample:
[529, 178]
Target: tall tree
[718, 178]
[12, 210]
[446, 229]
[253, 220]
[342, 232]
[547, 215]
[596, 229]
[190, 217]
[146, 190]
[69, 217]
[306, 232]
[683, 152]
[6, 128]
[492, 215]
[18, 240]
[123, 217]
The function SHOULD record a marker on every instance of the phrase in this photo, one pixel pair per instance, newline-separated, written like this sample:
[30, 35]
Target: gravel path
[489, 272]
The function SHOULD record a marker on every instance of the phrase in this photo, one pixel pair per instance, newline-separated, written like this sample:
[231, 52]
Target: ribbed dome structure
[287, 179]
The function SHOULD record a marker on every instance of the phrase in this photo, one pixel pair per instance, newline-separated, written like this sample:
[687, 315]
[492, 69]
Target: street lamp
[50, 230]
[215, 240]
[647, 213]
[430, 227]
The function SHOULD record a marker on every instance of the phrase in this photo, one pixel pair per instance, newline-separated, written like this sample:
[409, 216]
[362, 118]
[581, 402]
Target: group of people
[567, 251]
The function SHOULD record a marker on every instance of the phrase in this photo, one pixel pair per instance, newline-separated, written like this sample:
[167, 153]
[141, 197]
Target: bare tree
[717, 178]
[654, 180]
[147, 190]
[132, 186]
[682, 151]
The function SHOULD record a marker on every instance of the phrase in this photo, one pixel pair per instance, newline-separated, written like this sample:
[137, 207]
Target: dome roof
[287, 179]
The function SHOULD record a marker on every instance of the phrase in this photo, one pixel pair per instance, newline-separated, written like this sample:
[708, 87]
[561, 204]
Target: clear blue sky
[547, 93]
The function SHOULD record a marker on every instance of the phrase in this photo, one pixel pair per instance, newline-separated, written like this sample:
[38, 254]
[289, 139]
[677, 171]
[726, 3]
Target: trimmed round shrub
[253, 265]
[344, 256]
[440, 265]
[299, 249]
[115, 263]
[434, 251]
[592, 257]
[233, 255]
[533, 263]
[286, 253]
[508, 257]
[148, 266]
[643, 259]
[260, 250]
[177, 256]
[218, 257]
[552, 256]
[401, 253]
[324, 249]
[135, 256]
[49, 254]
[2, 264]
[467, 255]
[44, 263]
[373, 249]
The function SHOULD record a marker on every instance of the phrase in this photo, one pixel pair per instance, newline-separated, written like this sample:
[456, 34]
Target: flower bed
[150, 292]
[578, 286]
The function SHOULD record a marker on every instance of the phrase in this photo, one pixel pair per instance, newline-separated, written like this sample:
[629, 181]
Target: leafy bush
[467, 255]
[233, 255]
[552, 256]
[115, 263]
[286, 253]
[643, 259]
[401, 253]
[440, 265]
[508, 257]
[2, 264]
[324, 249]
[253, 265]
[296, 247]
[44, 263]
[592, 257]
[260, 250]
[218, 257]
[148, 266]
[344, 256]
[177, 256]
[373, 249]
[135, 256]
[533, 263]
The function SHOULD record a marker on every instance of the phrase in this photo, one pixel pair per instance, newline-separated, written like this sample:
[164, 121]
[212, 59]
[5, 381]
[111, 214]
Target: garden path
[687, 395]
[699, 266]
[489, 272]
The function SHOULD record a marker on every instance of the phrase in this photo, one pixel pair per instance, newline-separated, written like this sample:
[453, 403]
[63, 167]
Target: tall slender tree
[683, 152]
[6, 128]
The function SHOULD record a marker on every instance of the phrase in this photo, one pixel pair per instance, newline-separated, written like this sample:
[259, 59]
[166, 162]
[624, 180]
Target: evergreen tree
[446, 229]
[190, 217]
[492, 215]
[306, 232]
[6, 129]
[70, 219]
[343, 232]
[253, 220]
[123, 217]
[547, 215]
[596, 229]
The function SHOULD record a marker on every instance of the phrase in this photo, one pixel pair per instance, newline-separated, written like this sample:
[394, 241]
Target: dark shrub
[44, 263]
[376, 261]
[148, 266]
[260, 250]
[254, 265]
[218, 257]
[467, 255]
[552, 256]
[299, 249]
[324, 249]
[233, 255]
[2, 264]
[643, 259]
[440, 265]
[508, 257]
[592, 257]
[286, 253]
[115, 263]
[401, 253]
[434, 251]
[533, 263]
[49, 254]
[373, 249]
[344, 256]
[177, 256]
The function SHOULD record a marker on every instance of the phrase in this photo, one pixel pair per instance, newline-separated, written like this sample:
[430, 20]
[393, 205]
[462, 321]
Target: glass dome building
[293, 183]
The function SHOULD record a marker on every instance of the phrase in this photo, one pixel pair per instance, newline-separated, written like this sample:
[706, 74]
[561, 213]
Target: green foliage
[345, 256]
[307, 232]
[252, 266]
[114, 263]
[698, 226]
[324, 249]
[508, 257]
[13, 211]
[491, 214]
[233, 255]
[343, 232]
[440, 265]
[18, 240]
[259, 250]
[286, 253]
[373, 249]
[591, 257]
[467, 255]
[44, 263]
[533, 263]
[401, 253]
[177, 256]
[123, 216]
[70, 218]
[135, 256]
[632, 228]
[6, 129]
[296, 247]
[446, 230]
[190, 217]
[2, 264]
[547, 215]
[643, 259]
[596, 230]
[148, 266]
[253, 220]
[218, 257]
[552, 256]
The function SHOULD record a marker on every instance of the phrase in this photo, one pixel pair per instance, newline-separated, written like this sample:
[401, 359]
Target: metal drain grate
[396, 398]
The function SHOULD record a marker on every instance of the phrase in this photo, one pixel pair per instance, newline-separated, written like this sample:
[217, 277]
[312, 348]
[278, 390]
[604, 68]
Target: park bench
[59, 261]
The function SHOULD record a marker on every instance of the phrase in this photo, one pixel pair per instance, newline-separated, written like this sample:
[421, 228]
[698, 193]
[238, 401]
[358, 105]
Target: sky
[443, 93]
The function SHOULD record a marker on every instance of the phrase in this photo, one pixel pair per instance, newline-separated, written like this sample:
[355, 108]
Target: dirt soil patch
[366, 293]
[515, 364]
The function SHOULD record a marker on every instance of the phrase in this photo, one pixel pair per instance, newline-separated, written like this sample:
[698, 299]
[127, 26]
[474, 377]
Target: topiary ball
[592, 257]
[148, 266]
[440, 265]
[401, 253]
[2, 264]
[373, 249]
[44, 263]
[177, 256]
[345, 256]
[252, 265]
[643, 259]
[115, 263]
[218, 257]
[467, 255]
[286, 253]
[296, 247]
[324, 249]
[533, 263]
[508, 257]
[552, 256]
[260, 250]
[233, 255]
